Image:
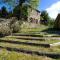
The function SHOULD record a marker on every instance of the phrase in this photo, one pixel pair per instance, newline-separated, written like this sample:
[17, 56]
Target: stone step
[35, 35]
[25, 43]
[32, 35]
[34, 38]
[26, 38]
[30, 47]
[29, 42]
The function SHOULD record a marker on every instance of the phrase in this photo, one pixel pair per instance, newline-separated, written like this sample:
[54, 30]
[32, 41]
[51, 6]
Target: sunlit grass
[45, 41]
[6, 55]
[31, 48]
[36, 29]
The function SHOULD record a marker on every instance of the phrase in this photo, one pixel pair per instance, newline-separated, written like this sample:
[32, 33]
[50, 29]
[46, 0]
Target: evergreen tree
[4, 12]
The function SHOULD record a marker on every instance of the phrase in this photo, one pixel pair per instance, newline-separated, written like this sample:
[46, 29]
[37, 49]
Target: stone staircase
[30, 44]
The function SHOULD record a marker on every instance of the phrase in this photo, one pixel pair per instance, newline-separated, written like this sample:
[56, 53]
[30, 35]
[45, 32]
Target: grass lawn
[31, 30]
[7, 55]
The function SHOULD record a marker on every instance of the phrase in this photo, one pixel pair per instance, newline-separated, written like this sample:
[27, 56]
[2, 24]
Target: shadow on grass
[52, 31]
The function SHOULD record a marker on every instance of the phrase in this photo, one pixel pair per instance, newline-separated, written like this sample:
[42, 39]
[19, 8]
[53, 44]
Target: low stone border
[26, 43]
[32, 35]
[21, 34]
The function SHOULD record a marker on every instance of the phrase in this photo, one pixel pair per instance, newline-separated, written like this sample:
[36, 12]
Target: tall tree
[33, 3]
[45, 15]
[4, 12]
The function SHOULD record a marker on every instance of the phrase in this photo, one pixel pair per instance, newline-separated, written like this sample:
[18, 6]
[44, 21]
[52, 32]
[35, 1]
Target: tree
[19, 9]
[45, 15]
[33, 3]
[0, 13]
[4, 12]
[10, 14]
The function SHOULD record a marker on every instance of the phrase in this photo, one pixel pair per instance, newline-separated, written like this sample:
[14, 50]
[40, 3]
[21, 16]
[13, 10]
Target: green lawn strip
[30, 48]
[30, 30]
[39, 28]
[32, 41]
[7, 55]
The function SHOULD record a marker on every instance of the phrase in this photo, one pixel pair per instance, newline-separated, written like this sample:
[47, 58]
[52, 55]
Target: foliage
[16, 12]
[51, 23]
[8, 26]
[4, 30]
[18, 9]
[10, 14]
[4, 12]
[34, 3]
[45, 15]
[24, 13]
[16, 27]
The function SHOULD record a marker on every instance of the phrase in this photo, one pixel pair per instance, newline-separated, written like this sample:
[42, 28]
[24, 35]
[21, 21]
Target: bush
[51, 23]
[9, 26]
[15, 27]
[4, 30]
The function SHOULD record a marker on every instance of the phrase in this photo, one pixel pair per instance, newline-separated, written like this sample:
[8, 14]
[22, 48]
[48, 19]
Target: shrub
[15, 27]
[4, 30]
[51, 23]
[9, 26]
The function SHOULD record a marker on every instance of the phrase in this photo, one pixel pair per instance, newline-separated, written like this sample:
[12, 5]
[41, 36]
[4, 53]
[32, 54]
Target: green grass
[32, 48]
[31, 30]
[7, 55]
[11, 55]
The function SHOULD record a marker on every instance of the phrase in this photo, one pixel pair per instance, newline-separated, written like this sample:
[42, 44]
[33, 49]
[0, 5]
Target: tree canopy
[19, 9]
[45, 15]
[33, 3]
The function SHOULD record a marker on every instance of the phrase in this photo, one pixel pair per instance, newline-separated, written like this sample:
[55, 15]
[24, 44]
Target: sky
[8, 7]
[51, 6]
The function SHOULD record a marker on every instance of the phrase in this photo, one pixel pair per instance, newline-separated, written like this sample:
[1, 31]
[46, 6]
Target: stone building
[33, 15]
